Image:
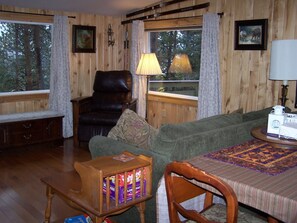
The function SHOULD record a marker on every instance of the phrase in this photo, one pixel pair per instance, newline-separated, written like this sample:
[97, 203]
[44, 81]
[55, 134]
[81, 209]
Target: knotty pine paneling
[244, 74]
[163, 110]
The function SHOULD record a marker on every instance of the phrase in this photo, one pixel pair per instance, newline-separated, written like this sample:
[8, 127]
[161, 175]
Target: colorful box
[121, 183]
[78, 219]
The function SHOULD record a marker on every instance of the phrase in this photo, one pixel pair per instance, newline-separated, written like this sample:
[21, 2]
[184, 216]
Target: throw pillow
[134, 130]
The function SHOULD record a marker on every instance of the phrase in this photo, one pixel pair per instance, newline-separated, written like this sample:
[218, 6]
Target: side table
[261, 134]
[88, 188]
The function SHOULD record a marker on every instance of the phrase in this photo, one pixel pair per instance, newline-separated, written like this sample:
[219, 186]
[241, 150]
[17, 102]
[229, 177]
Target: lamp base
[284, 94]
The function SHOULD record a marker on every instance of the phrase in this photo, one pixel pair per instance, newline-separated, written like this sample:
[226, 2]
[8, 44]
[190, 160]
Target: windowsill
[24, 96]
[186, 97]
[24, 93]
[183, 100]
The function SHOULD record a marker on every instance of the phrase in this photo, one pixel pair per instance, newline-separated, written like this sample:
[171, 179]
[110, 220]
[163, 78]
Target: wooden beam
[154, 7]
[155, 15]
[30, 13]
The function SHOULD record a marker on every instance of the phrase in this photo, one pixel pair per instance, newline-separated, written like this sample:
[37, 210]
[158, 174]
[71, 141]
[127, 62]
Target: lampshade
[148, 65]
[283, 62]
[180, 64]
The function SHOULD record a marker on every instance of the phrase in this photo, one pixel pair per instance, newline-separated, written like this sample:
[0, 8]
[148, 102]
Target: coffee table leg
[49, 195]
[141, 209]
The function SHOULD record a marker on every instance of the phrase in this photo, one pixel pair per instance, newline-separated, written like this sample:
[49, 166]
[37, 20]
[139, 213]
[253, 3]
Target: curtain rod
[30, 13]
[154, 7]
[155, 15]
[220, 14]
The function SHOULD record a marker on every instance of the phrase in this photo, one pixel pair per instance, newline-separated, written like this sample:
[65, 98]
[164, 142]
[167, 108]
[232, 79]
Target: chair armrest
[79, 105]
[130, 105]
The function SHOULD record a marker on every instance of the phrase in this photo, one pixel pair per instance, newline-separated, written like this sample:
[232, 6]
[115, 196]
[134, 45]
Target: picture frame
[251, 34]
[83, 39]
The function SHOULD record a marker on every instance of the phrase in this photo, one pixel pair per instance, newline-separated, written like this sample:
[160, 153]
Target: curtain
[139, 82]
[209, 93]
[59, 98]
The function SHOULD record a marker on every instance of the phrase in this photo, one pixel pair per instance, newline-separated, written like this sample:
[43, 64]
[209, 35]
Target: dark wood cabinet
[20, 130]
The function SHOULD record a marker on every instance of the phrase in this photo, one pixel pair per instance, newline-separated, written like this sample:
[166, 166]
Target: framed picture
[251, 34]
[83, 39]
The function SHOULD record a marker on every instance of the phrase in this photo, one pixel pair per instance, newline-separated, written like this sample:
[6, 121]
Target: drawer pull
[27, 136]
[27, 126]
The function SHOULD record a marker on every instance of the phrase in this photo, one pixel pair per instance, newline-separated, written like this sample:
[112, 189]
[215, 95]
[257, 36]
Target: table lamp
[148, 66]
[283, 64]
[180, 64]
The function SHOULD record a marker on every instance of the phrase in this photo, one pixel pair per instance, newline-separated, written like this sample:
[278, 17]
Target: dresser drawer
[33, 125]
[28, 137]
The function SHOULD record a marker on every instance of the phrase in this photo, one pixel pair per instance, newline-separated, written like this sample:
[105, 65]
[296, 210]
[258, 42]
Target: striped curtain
[60, 95]
[209, 95]
[139, 82]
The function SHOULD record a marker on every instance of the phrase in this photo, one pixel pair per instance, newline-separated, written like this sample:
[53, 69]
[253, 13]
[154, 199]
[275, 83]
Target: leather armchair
[97, 114]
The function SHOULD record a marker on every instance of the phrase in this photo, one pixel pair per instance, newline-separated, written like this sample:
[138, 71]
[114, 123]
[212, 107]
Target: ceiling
[102, 7]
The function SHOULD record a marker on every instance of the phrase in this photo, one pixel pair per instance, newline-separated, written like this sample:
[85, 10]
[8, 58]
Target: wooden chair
[179, 189]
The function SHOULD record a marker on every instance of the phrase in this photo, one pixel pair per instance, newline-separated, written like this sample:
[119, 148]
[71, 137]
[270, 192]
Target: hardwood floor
[22, 194]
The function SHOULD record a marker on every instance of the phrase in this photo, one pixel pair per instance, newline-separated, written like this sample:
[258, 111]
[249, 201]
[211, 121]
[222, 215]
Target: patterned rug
[259, 156]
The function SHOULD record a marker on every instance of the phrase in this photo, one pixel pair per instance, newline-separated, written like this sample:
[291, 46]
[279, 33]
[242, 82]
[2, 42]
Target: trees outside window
[24, 56]
[166, 44]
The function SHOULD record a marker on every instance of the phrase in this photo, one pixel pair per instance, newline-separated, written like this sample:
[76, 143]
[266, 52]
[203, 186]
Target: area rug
[259, 156]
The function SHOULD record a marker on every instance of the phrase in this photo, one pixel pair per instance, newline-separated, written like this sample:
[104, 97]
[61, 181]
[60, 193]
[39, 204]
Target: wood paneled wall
[244, 74]
[245, 80]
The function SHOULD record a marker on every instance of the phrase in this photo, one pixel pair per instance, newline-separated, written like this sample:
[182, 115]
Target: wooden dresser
[29, 128]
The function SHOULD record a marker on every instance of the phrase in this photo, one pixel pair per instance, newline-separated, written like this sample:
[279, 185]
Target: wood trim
[26, 18]
[23, 97]
[154, 7]
[186, 22]
[171, 100]
[174, 11]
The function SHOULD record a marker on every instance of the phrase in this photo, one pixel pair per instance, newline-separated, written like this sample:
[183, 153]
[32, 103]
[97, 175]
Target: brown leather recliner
[97, 114]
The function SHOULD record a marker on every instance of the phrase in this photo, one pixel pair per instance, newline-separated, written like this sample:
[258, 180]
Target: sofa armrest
[130, 105]
[79, 105]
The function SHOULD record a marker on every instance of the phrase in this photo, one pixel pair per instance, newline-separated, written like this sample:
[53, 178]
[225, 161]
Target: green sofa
[180, 142]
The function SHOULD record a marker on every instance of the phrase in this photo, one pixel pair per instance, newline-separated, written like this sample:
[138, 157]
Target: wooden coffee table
[261, 134]
[83, 189]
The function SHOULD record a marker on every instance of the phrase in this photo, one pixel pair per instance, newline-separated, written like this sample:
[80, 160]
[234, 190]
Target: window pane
[166, 45]
[24, 56]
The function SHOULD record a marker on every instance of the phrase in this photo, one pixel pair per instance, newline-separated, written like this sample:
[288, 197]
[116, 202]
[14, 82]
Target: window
[167, 45]
[24, 56]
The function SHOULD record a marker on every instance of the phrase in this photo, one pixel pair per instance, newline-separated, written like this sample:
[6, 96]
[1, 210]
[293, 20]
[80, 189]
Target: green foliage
[24, 56]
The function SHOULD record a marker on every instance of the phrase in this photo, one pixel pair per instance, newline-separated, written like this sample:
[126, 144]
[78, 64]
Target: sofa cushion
[134, 130]
[260, 114]
[175, 131]
[256, 114]
[199, 143]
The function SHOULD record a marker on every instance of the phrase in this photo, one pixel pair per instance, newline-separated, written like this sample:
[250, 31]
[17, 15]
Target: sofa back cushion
[199, 143]
[176, 131]
[260, 114]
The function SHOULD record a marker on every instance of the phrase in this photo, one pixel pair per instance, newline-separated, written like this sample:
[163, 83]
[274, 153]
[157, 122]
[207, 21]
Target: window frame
[193, 22]
[25, 19]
